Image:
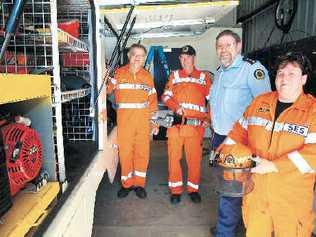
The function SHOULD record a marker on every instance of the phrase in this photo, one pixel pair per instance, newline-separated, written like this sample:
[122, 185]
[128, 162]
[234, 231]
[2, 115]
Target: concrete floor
[155, 216]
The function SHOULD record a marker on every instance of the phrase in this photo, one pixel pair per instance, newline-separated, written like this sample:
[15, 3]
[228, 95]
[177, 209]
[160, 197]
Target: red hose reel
[23, 154]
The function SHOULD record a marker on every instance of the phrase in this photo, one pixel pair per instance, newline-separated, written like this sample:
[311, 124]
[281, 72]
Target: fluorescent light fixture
[157, 24]
[163, 35]
[137, 2]
[132, 2]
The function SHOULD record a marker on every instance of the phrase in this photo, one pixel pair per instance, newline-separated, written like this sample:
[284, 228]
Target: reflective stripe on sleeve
[300, 162]
[243, 122]
[259, 122]
[113, 81]
[229, 141]
[208, 97]
[152, 91]
[165, 98]
[176, 75]
[168, 93]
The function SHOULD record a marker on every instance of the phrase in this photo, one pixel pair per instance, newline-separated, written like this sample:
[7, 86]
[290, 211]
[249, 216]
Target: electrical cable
[269, 37]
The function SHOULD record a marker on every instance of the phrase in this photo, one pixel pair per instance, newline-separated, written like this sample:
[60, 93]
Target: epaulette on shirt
[249, 60]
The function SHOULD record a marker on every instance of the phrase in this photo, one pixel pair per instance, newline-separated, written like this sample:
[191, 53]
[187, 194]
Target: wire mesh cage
[77, 124]
[75, 76]
[29, 49]
[51, 38]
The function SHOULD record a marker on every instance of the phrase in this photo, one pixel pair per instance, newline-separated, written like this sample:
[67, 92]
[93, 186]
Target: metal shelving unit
[30, 48]
[74, 94]
[68, 43]
[74, 57]
[40, 46]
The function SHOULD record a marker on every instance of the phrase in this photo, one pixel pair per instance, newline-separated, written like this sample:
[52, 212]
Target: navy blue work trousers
[229, 208]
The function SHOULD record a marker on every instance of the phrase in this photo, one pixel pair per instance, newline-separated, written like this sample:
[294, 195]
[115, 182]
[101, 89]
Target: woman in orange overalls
[280, 128]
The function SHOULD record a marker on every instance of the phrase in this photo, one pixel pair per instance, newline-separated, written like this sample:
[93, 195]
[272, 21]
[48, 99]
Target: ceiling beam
[118, 8]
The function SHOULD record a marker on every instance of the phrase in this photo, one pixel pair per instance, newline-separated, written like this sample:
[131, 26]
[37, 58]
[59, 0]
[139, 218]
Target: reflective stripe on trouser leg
[175, 144]
[125, 139]
[193, 154]
[229, 216]
[126, 162]
[141, 159]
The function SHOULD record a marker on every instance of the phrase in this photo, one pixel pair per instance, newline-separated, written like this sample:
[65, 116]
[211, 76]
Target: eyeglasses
[225, 46]
[138, 55]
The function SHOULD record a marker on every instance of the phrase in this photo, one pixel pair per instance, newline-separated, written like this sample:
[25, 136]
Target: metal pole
[125, 40]
[11, 24]
[118, 43]
[106, 21]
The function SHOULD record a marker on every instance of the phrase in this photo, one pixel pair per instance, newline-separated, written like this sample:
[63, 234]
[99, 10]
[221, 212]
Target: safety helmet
[236, 156]
[232, 170]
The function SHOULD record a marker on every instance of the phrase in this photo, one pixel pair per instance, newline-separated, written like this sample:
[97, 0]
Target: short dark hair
[298, 58]
[139, 46]
[230, 33]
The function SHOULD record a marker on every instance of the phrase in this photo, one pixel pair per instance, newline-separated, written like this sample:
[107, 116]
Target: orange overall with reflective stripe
[136, 99]
[189, 92]
[281, 202]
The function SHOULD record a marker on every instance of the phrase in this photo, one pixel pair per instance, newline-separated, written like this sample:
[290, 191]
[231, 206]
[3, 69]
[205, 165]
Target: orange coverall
[136, 99]
[281, 202]
[189, 92]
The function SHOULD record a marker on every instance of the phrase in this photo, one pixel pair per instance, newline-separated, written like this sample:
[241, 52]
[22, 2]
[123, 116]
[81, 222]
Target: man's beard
[225, 61]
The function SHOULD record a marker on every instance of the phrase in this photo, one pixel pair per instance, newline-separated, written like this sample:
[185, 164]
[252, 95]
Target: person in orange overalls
[136, 101]
[185, 94]
[280, 129]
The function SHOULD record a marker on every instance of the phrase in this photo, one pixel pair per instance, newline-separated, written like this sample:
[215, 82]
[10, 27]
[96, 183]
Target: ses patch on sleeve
[259, 74]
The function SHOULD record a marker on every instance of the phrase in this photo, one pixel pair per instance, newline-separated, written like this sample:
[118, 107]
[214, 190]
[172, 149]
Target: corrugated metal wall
[260, 30]
[246, 6]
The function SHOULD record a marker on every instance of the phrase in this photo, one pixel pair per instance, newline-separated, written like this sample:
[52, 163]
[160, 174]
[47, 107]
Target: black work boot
[175, 198]
[123, 192]
[195, 197]
[140, 192]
